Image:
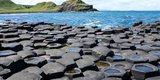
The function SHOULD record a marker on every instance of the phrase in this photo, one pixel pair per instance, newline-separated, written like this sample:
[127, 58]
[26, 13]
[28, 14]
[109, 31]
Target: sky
[108, 4]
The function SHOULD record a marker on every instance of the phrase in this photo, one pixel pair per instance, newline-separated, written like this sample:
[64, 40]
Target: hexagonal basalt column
[134, 58]
[94, 75]
[116, 58]
[102, 52]
[53, 70]
[155, 52]
[26, 54]
[35, 61]
[74, 50]
[143, 71]
[86, 64]
[74, 73]
[7, 53]
[102, 64]
[12, 46]
[55, 54]
[67, 62]
[114, 72]
[25, 76]
[74, 56]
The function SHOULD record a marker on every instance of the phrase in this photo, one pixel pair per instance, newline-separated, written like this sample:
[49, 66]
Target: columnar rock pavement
[46, 51]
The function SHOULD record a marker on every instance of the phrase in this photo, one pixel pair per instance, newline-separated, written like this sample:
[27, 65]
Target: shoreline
[48, 51]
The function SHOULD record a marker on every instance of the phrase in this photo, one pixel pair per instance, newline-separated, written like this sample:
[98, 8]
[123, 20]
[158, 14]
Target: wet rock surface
[45, 51]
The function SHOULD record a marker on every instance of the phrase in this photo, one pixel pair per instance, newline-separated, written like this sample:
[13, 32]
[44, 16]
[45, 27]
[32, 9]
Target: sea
[102, 19]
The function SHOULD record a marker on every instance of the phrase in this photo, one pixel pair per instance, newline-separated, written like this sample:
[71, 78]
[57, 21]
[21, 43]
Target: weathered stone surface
[74, 56]
[144, 70]
[94, 75]
[54, 70]
[35, 61]
[26, 53]
[67, 62]
[86, 64]
[12, 46]
[55, 54]
[7, 53]
[35, 70]
[102, 52]
[25, 76]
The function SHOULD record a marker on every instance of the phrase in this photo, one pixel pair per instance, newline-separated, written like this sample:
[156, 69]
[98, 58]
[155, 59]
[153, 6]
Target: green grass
[7, 6]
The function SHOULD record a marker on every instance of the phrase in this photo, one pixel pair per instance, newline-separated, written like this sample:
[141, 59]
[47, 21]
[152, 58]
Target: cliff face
[76, 5]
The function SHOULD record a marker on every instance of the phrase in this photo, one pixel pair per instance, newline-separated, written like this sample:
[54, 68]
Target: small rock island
[7, 6]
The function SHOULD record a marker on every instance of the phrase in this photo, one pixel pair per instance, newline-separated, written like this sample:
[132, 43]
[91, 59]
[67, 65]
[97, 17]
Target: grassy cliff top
[44, 6]
[9, 5]
[74, 3]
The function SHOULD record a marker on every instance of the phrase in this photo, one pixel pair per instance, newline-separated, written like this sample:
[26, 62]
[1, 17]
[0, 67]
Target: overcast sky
[109, 4]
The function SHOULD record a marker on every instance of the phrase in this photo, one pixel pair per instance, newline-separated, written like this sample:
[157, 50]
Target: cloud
[109, 4]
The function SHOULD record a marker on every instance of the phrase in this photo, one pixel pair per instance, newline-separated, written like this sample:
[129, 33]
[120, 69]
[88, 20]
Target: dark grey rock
[153, 78]
[73, 73]
[63, 78]
[143, 71]
[115, 58]
[102, 52]
[55, 54]
[35, 70]
[26, 53]
[53, 70]
[25, 37]
[86, 64]
[83, 78]
[27, 43]
[10, 35]
[4, 72]
[7, 53]
[74, 56]
[12, 46]
[54, 45]
[134, 58]
[74, 50]
[94, 75]
[35, 61]
[67, 62]
[112, 79]
[123, 65]
[37, 39]
[40, 45]
[40, 52]
[25, 76]
[90, 57]
[114, 72]
[5, 62]
[11, 40]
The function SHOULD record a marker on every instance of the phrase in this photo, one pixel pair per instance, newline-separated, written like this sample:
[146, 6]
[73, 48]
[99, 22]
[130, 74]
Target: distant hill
[76, 5]
[7, 6]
